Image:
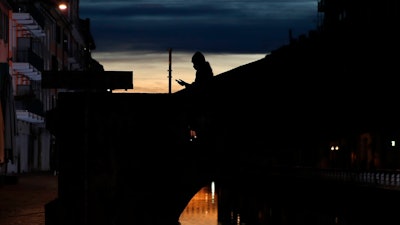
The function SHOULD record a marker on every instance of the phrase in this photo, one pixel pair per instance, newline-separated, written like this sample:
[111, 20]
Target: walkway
[23, 203]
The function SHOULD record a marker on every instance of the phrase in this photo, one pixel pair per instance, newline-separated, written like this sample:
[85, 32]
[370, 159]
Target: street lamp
[334, 148]
[62, 6]
[333, 155]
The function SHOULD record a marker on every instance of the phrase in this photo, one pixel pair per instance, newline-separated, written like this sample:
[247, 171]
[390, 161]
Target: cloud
[215, 26]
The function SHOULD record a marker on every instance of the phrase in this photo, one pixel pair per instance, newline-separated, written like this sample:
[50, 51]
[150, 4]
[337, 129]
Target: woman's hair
[198, 57]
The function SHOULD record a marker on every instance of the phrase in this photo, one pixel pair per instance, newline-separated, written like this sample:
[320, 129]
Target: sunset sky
[137, 35]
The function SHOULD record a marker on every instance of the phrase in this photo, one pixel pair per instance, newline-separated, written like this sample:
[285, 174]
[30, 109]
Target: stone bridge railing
[376, 178]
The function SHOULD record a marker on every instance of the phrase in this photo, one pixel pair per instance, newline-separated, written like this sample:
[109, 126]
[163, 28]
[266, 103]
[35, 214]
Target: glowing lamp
[62, 6]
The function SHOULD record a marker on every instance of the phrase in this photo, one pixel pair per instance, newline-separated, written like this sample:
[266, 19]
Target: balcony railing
[26, 55]
[30, 117]
[28, 63]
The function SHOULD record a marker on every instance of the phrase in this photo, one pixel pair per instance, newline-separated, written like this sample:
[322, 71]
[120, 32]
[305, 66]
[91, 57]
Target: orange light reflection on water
[202, 208]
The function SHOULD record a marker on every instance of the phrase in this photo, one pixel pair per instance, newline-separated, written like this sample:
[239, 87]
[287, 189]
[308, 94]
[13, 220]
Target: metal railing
[29, 56]
[376, 178]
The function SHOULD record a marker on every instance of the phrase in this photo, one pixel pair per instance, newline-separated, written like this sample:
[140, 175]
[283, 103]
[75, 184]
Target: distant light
[62, 6]
[212, 191]
[192, 135]
[393, 143]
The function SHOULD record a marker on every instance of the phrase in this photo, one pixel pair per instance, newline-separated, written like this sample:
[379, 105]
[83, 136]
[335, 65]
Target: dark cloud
[215, 26]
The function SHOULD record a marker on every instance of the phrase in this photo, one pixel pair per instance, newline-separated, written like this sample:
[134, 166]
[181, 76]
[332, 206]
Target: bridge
[120, 152]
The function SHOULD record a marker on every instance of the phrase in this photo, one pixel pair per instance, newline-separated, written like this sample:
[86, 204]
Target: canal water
[202, 208]
[214, 205]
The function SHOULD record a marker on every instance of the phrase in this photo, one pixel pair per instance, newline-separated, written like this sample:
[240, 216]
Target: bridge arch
[120, 153]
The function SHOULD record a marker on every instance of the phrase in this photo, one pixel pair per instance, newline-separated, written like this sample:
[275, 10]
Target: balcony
[27, 70]
[75, 59]
[28, 23]
[30, 19]
[28, 63]
[29, 117]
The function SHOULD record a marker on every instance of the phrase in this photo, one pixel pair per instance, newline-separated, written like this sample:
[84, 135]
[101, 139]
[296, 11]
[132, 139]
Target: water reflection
[243, 206]
[202, 208]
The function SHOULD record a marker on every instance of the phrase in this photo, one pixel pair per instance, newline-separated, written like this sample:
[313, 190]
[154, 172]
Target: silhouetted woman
[203, 69]
[197, 112]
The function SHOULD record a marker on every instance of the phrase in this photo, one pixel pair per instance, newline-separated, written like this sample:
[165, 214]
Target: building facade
[36, 36]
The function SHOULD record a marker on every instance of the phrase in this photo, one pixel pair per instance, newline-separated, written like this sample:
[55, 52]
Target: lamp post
[170, 71]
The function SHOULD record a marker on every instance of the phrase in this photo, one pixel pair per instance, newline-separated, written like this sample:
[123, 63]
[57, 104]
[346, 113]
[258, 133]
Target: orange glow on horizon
[150, 69]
